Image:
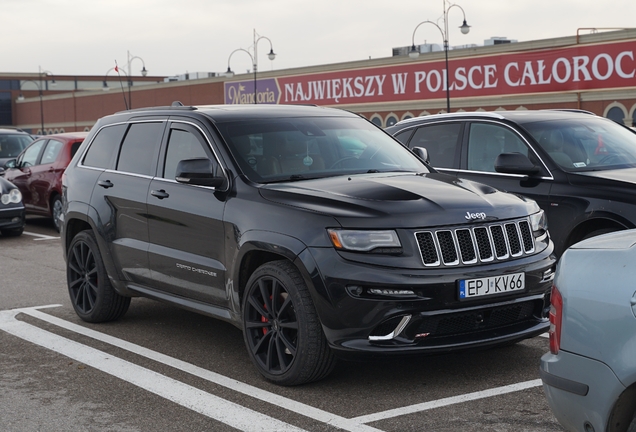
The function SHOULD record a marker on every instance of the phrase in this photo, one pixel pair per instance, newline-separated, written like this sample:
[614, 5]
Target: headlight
[363, 241]
[538, 221]
[14, 196]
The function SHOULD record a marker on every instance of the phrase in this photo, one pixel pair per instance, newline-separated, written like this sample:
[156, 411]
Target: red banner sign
[576, 68]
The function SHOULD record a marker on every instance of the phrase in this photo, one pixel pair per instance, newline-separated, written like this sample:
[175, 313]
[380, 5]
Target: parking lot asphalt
[163, 368]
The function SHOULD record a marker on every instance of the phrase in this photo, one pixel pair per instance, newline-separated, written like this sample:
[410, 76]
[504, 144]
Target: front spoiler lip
[355, 347]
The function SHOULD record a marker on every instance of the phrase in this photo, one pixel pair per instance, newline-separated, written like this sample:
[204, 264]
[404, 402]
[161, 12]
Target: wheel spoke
[291, 325]
[274, 299]
[258, 325]
[254, 302]
[280, 351]
[286, 304]
[263, 286]
[271, 353]
[288, 344]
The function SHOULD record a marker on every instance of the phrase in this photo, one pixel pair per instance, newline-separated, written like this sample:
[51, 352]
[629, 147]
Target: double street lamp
[271, 55]
[465, 28]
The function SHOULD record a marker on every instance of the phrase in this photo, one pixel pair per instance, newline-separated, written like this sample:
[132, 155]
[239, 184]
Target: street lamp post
[271, 55]
[465, 28]
[144, 72]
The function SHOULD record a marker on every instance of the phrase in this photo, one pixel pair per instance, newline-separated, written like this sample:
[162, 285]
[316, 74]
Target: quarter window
[440, 141]
[487, 141]
[105, 146]
[139, 148]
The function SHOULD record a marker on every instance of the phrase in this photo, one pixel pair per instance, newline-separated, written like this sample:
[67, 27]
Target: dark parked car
[38, 170]
[12, 142]
[580, 168]
[11, 209]
[589, 375]
[270, 218]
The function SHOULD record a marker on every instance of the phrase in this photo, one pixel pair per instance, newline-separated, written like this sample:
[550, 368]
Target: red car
[37, 172]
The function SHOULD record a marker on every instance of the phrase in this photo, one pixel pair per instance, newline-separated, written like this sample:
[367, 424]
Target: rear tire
[282, 332]
[56, 212]
[91, 292]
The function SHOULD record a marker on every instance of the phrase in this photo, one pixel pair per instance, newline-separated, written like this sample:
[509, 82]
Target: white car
[589, 375]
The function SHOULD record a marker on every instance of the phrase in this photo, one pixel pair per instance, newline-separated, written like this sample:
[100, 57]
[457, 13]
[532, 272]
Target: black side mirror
[515, 163]
[421, 153]
[200, 172]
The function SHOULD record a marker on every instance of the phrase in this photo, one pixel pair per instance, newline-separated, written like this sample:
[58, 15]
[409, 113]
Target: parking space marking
[40, 236]
[199, 400]
[187, 396]
[448, 401]
[246, 389]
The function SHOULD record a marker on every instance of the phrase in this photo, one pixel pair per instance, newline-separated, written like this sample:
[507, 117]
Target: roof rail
[454, 114]
[571, 110]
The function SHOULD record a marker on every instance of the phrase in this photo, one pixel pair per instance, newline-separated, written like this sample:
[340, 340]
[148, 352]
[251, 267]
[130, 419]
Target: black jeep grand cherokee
[309, 228]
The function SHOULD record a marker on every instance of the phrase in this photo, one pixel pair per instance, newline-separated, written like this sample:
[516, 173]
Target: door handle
[161, 194]
[105, 184]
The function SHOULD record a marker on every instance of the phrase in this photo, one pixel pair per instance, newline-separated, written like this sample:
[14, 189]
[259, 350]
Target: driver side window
[30, 156]
[183, 144]
[487, 141]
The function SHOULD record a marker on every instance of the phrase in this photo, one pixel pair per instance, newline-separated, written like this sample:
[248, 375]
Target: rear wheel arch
[624, 411]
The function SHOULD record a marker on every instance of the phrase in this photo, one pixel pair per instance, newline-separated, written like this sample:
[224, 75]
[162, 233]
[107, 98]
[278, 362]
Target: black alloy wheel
[281, 328]
[92, 295]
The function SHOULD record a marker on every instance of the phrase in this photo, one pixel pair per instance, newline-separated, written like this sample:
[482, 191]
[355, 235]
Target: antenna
[123, 93]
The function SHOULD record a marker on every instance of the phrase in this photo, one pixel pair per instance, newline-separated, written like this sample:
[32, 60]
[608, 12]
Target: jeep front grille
[477, 244]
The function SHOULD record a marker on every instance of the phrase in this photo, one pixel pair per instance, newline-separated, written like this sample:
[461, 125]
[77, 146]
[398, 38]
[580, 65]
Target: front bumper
[12, 217]
[433, 320]
[580, 390]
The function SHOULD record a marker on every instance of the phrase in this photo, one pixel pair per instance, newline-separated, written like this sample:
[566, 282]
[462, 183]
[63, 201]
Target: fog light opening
[16, 219]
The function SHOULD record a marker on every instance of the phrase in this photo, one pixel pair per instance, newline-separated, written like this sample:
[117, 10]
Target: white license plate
[471, 288]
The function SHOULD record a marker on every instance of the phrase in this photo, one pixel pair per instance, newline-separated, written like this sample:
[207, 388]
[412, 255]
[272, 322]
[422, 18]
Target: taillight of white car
[556, 316]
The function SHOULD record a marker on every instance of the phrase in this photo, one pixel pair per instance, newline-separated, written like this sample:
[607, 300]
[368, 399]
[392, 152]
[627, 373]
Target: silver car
[589, 375]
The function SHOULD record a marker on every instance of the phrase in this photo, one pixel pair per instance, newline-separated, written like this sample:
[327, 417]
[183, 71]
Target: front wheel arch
[591, 228]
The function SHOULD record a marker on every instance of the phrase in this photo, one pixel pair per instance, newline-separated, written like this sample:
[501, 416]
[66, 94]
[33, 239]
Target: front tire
[92, 295]
[282, 331]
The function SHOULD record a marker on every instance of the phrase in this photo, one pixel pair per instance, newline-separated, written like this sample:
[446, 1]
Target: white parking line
[191, 397]
[448, 401]
[40, 236]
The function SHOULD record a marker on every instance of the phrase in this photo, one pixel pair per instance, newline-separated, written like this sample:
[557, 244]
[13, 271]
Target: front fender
[269, 246]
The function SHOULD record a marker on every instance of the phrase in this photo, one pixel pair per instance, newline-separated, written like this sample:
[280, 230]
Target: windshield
[589, 144]
[12, 145]
[298, 148]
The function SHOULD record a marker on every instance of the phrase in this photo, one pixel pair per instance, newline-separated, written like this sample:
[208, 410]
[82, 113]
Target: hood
[626, 175]
[403, 200]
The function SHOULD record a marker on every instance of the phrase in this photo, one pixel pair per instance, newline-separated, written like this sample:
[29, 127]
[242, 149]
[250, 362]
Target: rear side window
[103, 150]
[51, 151]
[139, 149]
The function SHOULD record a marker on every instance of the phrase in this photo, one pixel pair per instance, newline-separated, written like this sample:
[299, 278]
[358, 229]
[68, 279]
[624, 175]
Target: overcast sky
[86, 37]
